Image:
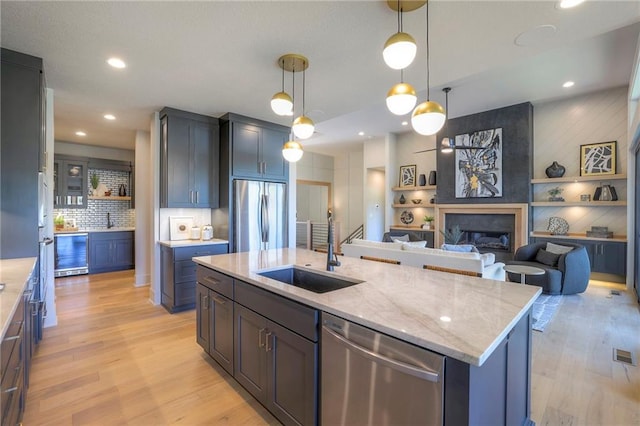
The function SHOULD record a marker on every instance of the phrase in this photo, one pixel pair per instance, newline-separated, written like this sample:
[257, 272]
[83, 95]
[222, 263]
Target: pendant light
[281, 102]
[303, 126]
[401, 98]
[428, 117]
[400, 49]
[292, 149]
[447, 143]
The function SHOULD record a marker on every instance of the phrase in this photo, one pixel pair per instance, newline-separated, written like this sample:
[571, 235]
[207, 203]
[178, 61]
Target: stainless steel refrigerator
[259, 215]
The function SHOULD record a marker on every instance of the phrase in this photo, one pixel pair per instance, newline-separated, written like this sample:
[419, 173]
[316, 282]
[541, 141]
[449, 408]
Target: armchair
[569, 276]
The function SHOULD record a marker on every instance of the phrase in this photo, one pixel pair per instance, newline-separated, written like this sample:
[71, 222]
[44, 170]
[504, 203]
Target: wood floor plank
[114, 359]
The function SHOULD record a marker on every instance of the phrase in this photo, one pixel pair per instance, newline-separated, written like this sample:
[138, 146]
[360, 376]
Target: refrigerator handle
[264, 217]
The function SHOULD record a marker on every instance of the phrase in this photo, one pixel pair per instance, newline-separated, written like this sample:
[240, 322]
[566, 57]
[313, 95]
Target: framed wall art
[598, 159]
[408, 175]
[479, 164]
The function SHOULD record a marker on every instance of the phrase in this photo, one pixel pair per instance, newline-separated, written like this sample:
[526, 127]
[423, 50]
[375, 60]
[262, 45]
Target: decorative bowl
[416, 200]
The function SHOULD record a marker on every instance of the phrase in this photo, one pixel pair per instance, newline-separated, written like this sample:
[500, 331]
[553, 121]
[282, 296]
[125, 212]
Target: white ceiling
[215, 57]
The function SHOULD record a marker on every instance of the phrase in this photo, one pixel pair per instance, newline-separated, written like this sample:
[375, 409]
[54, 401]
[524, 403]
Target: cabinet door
[75, 188]
[292, 376]
[100, 255]
[204, 166]
[166, 277]
[221, 330]
[609, 258]
[202, 316]
[176, 159]
[250, 369]
[245, 154]
[274, 164]
[123, 253]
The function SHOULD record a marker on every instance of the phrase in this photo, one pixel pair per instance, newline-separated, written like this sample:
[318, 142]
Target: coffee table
[523, 270]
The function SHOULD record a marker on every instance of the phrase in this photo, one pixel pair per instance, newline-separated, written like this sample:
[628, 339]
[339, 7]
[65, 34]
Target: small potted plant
[554, 194]
[428, 221]
[95, 180]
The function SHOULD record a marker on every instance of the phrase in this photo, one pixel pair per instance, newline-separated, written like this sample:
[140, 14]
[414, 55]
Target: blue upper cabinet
[189, 160]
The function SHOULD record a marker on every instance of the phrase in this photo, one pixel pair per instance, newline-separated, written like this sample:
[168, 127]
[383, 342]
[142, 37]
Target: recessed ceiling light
[404, 123]
[568, 84]
[360, 133]
[445, 318]
[116, 63]
[80, 133]
[110, 116]
[566, 4]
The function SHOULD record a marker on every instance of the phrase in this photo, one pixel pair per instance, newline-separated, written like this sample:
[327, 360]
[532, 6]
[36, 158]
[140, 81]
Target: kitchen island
[482, 327]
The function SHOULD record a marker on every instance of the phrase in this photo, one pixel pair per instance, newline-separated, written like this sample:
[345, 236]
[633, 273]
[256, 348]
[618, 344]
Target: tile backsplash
[95, 215]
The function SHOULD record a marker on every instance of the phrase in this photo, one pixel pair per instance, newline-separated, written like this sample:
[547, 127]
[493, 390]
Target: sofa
[565, 273]
[412, 254]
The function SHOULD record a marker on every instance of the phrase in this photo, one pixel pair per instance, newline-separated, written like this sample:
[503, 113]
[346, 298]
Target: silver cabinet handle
[197, 197]
[260, 334]
[268, 336]
[204, 301]
[211, 280]
[431, 376]
[218, 299]
[13, 389]
[9, 339]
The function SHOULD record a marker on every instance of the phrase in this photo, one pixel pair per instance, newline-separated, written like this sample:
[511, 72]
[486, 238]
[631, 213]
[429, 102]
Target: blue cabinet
[111, 251]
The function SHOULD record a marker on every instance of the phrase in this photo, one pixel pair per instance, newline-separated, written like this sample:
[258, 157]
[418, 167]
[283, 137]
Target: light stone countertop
[409, 303]
[104, 229]
[191, 243]
[14, 273]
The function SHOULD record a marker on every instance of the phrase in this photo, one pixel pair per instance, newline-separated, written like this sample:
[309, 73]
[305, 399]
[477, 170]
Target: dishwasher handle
[420, 373]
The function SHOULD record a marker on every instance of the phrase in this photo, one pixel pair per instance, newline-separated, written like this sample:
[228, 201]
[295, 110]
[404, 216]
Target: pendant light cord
[282, 75]
[399, 17]
[304, 84]
[427, 5]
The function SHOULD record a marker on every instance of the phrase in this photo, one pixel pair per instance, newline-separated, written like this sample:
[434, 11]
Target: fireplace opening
[487, 240]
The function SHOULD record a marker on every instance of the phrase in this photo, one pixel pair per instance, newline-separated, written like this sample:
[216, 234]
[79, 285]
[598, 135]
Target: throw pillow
[547, 258]
[462, 248]
[402, 239]
[488, 259]
[558, 249]
[414, 244]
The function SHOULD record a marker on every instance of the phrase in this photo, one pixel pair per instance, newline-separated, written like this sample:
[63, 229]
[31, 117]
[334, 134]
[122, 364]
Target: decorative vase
[432, 177]
[555, 170]
[422, 180]
[122, 190]
[605, 194]
[402, 200]
[426, 226]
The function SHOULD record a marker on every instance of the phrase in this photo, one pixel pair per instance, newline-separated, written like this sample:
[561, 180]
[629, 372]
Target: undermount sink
[312, 281]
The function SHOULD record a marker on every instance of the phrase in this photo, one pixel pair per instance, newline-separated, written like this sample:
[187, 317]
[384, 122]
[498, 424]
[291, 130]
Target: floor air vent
[615, 293]
[626, 357]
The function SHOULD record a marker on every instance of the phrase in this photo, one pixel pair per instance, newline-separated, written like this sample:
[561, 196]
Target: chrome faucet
[332, 258]
[109, 223]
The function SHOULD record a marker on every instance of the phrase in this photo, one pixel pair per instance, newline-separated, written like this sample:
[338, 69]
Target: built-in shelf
[570, 179]
[578, 203]
[110, 197]
[413, 188]
[578, 236]
[411, 227]
[413, 206]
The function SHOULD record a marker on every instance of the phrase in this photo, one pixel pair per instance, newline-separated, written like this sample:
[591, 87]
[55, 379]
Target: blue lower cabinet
[178, 276]
[111, 251]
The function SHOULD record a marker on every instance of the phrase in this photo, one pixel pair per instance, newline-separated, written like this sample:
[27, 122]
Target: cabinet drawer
[186, 253]
[292, 315]
[12, 400]
[184, 270]
[185, 293]
[12, 375]
[216, 281]
[13, 336]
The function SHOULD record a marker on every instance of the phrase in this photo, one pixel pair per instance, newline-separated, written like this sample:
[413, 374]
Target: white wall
[52, 316]
[153, 176]
[347, 195]
[375, 204]
[144, 209]
[81, 150]
[560, 127]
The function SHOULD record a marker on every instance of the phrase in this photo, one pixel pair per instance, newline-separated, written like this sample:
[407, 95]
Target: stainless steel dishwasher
[369, 378]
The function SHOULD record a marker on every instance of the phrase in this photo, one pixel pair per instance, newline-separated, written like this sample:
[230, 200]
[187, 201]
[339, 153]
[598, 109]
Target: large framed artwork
[479, 164]
[408, 175]
[598, 159]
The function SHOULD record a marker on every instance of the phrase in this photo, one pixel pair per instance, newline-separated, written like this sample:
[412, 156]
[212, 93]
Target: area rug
[543, 310]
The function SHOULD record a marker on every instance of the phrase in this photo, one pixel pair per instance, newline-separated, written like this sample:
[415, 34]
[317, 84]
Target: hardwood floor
[116, 359]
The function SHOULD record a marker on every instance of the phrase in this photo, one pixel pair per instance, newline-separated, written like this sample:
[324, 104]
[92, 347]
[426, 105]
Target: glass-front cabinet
[70, 184]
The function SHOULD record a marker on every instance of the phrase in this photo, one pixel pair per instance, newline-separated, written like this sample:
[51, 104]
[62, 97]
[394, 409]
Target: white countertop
[191, 243]
[105, 229]
[14, 273]
[402, 301]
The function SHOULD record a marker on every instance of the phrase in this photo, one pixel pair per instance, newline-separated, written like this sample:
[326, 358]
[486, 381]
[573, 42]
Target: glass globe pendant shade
[292, 151]
[282, 104]
[401, 99]
[399, 51]
[303, 127]
[428, 118]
